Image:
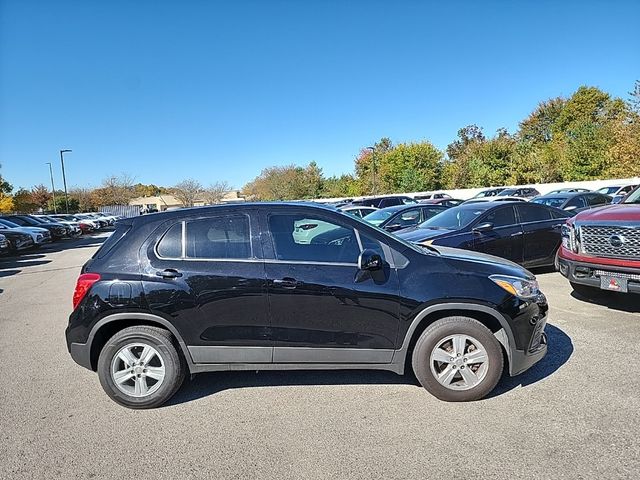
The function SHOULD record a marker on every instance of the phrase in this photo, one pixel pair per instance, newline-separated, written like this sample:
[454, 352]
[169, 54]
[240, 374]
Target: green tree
[411, 167]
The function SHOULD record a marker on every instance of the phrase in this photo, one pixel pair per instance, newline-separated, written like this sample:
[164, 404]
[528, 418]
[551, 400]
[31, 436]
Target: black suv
[273, 286]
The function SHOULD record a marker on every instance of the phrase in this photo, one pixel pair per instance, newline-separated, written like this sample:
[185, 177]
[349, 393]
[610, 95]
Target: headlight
[519, 287]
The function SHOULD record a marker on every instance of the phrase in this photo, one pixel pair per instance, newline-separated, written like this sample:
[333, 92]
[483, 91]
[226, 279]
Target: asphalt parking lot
[574, 415]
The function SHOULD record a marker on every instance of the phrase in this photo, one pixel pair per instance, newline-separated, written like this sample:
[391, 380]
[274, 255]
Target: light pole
[53, 188]
[373, 160]
[64, 179]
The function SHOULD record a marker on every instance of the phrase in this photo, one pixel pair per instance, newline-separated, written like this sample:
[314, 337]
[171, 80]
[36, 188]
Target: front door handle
[517, 234]
[287, 282]
[169, 273]
[557, 226]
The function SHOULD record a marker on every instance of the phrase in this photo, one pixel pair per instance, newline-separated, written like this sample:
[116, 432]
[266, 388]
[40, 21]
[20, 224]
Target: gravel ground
[574, 415]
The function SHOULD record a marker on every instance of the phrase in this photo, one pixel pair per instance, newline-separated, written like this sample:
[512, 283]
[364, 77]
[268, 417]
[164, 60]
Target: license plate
[613, 283]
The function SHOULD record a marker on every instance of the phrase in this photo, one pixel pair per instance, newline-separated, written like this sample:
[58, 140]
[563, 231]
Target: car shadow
[625, 302]
[206, 384]
[559, 351]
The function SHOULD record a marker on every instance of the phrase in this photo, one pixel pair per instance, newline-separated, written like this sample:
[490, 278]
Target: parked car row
[21, 231]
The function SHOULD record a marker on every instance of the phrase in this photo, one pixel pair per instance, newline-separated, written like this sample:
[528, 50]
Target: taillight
[84, 283]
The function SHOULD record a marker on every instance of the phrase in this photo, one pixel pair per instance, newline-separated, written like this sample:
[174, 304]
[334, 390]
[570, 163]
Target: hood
[416, 234]
[493, 264]
[31, 230]
[619, 212]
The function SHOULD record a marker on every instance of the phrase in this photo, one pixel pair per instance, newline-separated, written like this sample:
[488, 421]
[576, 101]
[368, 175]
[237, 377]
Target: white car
[358, 210]
[74, 226]
[39, 235]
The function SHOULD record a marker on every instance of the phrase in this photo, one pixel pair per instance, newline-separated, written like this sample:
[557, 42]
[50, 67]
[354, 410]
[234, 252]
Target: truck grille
[610, 241]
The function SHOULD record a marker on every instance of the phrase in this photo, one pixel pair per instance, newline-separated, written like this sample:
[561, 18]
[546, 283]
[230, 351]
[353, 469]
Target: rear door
[541, 227]
[206, 272]
[504, 239]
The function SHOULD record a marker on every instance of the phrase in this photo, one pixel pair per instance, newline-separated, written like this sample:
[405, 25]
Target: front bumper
[585, 273]
[522, 360]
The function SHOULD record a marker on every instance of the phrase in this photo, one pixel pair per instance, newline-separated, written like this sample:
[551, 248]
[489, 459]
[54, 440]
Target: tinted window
[501, 217]
[407, 218]
[577, 202]
[218, 237]
[550, 201]
[170, 245]
[431, 212]
[596, 200]
[531, 213]
[312, 239]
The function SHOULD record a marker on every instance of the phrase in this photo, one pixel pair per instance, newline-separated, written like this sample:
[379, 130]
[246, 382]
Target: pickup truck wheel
[458, 359]
[140, 367]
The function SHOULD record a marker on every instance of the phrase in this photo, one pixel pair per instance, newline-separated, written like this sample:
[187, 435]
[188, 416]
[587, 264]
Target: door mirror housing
[393, 227]
[483, 227]
[369, 260]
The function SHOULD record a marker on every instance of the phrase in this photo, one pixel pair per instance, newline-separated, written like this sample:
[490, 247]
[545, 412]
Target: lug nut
[461, 366]
[464, 360]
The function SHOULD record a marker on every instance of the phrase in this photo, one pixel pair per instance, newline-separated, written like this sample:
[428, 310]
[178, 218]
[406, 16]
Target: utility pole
[64, 178]
[373, 169]
[53, 188]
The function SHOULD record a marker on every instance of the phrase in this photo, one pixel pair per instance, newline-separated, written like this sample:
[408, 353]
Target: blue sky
[166, 90]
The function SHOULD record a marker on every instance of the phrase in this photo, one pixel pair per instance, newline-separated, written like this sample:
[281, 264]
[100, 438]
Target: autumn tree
[187, 192]
[40, 196]
[215, 192]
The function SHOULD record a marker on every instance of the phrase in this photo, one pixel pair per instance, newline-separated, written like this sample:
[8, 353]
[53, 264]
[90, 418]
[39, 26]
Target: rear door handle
[517, 234]
[169, 273]
[286, 282]
[557, 226]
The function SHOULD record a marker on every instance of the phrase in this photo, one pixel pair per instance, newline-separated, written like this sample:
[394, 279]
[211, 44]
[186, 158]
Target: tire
[434, 343]
[145, 385]
[556, 260]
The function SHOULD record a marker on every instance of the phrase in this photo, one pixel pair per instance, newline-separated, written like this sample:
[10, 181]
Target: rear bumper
[585, 273]
[81, 354]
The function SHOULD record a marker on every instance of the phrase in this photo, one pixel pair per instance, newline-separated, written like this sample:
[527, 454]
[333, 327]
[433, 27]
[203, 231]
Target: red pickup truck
[601, 248]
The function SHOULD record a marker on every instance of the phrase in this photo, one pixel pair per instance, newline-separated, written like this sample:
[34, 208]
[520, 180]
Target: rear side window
[530, 213]
[577, 202]
[225, 237]
[596, 200]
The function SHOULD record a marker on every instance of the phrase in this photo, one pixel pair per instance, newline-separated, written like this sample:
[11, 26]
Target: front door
[324, 309]
[504, 239]
[206, 273]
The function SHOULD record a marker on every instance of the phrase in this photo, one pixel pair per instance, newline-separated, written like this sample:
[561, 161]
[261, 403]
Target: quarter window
[170, 245]
[312, 239]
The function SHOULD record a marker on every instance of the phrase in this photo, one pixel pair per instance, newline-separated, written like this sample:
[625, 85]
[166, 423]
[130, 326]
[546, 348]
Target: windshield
[377, 217]
[8, 223]
[453, 218]
[507, 192]
[550, 201]
[633, 197]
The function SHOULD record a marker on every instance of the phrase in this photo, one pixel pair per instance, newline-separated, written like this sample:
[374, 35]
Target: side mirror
[369, 260]
[393, 227]
[483, 227]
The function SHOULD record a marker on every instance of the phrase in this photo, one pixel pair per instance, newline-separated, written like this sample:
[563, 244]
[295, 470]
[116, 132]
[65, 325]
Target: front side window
[501, 217]
[309, 238]
[576, 202]
[407, 219]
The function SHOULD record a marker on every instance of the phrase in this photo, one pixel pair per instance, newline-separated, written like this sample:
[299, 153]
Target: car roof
[565, 195]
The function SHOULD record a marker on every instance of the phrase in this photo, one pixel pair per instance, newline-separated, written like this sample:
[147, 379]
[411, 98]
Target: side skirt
[221, 367]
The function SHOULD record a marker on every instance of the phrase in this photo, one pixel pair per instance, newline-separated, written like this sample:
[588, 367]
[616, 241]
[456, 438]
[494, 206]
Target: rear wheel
[458, 359]
[140, 367]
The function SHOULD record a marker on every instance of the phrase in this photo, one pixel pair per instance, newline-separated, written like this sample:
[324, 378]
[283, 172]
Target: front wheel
[140, 367]
[458, 359]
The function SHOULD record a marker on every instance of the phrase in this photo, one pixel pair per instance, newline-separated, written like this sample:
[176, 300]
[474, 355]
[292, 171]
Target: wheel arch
[108, 326]
[486, 315]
